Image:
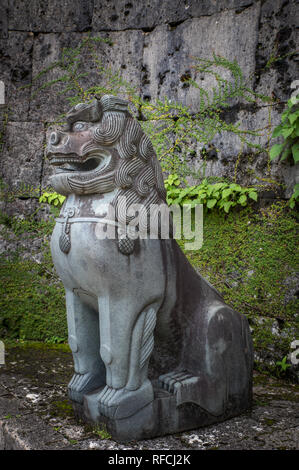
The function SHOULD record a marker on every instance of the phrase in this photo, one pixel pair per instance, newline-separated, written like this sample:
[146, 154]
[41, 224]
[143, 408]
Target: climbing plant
[171, 126]
[288, 130]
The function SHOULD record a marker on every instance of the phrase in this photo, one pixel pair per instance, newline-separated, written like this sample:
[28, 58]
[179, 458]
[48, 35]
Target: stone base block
[160, 417]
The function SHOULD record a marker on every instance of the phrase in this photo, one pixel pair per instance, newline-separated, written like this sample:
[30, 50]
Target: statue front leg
[126, 353]
[84, 341]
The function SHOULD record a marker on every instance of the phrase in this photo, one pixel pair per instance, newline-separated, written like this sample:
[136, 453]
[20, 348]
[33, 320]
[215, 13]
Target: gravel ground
[36, 414]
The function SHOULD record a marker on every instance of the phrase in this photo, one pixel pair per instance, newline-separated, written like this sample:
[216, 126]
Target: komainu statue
[156, 349]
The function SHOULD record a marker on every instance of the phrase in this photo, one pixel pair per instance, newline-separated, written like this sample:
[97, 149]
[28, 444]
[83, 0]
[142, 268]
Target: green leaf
[218, 186]
[253, 195]
[293, 117]
[276, 150]
[188, 201]
[283, 364]
[278, 131]
[287, 131]
[211, 203]
[286, 153]
[51, 197]
[243, 199]
[226, 192]
[296, 191]
[295, 152]
[284, 115]
[227, 206]
[235, 187]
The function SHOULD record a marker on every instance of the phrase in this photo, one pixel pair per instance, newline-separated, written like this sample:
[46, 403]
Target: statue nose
[54, 138]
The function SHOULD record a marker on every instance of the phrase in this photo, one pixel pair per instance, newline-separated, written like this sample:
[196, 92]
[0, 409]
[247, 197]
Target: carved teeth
[65, 160]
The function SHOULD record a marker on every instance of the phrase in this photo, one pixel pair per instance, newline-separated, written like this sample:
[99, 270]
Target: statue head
[103, 149]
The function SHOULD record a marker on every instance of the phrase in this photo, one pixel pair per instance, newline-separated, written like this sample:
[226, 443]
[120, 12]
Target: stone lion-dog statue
[156, 349]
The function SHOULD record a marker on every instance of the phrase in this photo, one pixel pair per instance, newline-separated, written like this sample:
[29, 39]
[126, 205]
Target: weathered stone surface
[277, 49]
[15, 54]
[48, 169]
[124, 14]
[19, 207]
[3, 18]
[50, 16]
[227, 157]
[169, 53]
[47, 50]
[123, 56]
[21, 162]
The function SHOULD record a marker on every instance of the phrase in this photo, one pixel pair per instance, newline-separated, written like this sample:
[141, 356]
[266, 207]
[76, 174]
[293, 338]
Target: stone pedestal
[160, 417]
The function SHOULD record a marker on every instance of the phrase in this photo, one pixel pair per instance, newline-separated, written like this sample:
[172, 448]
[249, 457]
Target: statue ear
[96, 110]
[113, 103]
[89, 112]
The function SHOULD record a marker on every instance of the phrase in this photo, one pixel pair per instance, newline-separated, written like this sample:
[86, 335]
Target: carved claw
[83, 383]
[183, 385]
[108, 401]
[172, 380]
[121, 403]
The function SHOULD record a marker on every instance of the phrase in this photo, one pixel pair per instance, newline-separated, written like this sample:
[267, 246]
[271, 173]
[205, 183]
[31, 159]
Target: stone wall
[153, 44]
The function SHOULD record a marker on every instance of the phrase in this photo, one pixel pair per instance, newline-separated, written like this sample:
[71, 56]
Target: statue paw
[122, 403]
[181, 384]
[84, 383]
[173, 380]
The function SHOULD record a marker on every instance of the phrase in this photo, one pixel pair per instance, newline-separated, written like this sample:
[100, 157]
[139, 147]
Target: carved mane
[133, 170]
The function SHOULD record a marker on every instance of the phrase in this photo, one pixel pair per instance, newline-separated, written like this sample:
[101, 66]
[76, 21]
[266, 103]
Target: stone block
[230, 157]
[123, 14]
[48, 169]
[16, 63]
[123, 56]
[169, 55]
[50, 16]
[3, 18]
[277, 49]
[21, 161]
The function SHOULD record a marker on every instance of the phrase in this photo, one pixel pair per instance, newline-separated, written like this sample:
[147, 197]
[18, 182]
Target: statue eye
[79, 126]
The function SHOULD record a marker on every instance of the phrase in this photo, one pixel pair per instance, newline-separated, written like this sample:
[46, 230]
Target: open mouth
[73, 163]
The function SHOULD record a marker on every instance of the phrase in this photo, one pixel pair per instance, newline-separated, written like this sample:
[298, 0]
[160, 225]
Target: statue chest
[79, 256]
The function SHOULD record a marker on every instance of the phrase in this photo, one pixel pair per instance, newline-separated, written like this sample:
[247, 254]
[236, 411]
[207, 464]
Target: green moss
[36, 345]
[73, 441]
[31, 306]
[250, 257]
[101, 432]
[62, 408]
[269, 422]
